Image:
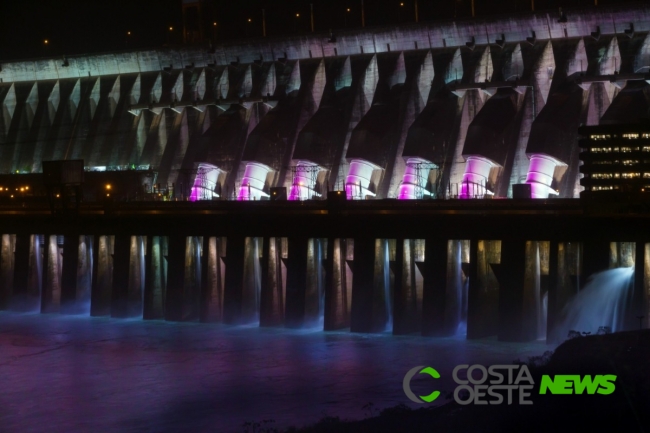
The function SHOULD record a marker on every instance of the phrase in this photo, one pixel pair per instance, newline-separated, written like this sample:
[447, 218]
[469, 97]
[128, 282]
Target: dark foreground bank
[627, 409]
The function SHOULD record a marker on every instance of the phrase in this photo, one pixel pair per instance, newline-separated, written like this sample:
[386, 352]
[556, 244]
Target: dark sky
[90, 26]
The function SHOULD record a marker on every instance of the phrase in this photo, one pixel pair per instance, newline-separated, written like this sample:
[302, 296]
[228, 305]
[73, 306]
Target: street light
[345, 17]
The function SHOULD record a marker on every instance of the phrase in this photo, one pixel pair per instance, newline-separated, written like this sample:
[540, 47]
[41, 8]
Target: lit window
[645, 135]
[630, 161]
[602, 175]
[646, 175]
[630, 175]
[626, 149]
[631, 136]
[600, 136]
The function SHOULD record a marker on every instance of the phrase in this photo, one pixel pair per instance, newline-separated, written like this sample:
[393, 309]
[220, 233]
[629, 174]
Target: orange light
[108, 186]
[27, 188]
[46, 42]
[108, 195]
[171, 29]
[128, 33]
[57, 196]
[348, 9]
[22, 189]
[12, 196]
[297, 15]
[214, 23]
[250, 20]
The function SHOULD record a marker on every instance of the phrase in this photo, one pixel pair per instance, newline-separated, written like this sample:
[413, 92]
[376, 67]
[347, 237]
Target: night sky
[91, 26]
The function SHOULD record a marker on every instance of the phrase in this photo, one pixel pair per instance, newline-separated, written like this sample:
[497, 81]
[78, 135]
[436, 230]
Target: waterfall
[387, 297]
[603, 302]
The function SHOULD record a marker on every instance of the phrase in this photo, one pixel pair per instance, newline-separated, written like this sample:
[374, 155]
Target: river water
[80, 374]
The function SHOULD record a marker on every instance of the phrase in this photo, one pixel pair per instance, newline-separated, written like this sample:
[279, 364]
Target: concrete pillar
[20, 297]
[484, 290]
[121, 265]
[192, 278]
[69, 274]
[6, 270]
[102, 276]
[596, 255]
[434, 273]
[408, 291]
[638, 305]
[554, 309]
[296, 282]
[175, 278]
[383, 285]
[136, 276]
[155, 278]
[272, 294]
[212, 279]
[362, 285]
[85, 273]
[250, 302]
[234, 279]
[645, 322]
[564, 285]
[519, 294]
[315, 289]
[51, 282]
[338, 284]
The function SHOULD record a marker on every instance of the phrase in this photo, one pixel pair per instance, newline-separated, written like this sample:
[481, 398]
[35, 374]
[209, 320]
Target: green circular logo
[406, 384]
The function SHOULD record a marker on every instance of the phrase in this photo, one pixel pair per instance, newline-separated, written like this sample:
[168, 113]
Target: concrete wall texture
[458, 108]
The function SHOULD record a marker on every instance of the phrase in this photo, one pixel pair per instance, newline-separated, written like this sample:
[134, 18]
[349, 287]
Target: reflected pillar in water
[410, 255]
[212, 278]
[51, 282]
[483, 303]
[535, 291]
[102, 276]
[338, 283]
[136, 276]
[274, 278]
[6, 269]
[155, 278]
[298, 251]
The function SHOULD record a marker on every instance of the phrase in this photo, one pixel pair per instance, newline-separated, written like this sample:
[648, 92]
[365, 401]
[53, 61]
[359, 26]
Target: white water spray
[603, 302]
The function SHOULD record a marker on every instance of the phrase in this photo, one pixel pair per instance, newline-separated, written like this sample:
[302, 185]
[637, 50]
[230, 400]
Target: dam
[392, 146]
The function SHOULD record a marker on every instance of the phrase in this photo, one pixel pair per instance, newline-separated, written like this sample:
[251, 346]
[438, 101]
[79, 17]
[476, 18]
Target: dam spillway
[463, 109]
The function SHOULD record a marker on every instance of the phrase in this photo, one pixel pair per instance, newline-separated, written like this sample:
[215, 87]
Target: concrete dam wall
[461, 109]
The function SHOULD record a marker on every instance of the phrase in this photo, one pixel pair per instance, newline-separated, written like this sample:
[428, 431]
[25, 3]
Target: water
[603, 302]
[83, 374]
[387, 292]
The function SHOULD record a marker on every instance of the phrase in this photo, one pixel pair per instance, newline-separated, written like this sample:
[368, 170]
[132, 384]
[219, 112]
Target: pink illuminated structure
[358, 179]
[477, 172]
[415, 179]
[253, 182]
[304, 181]
[540, 175]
